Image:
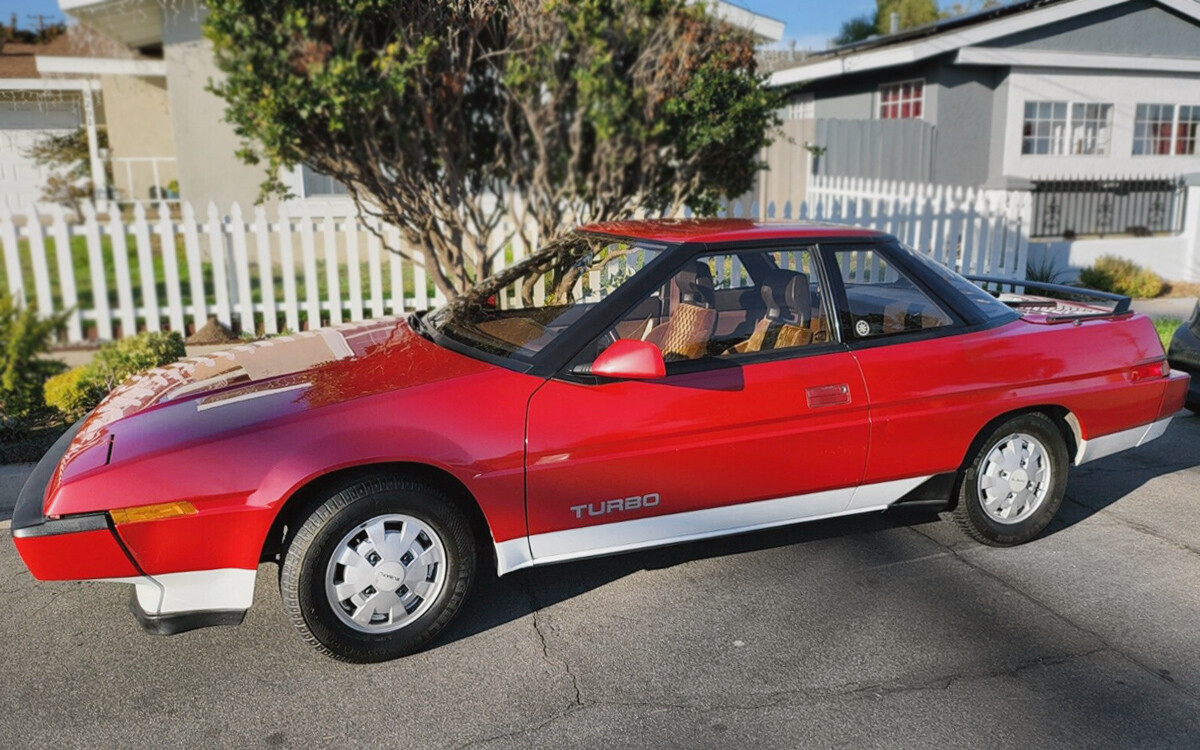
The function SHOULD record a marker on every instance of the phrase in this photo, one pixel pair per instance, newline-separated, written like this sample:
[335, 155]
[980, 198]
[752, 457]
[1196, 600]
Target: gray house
[1036, 90]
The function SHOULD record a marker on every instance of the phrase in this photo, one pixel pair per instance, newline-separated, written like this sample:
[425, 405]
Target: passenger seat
[788, 320]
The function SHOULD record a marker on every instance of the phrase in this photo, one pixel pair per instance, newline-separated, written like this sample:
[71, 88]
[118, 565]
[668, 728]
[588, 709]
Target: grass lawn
[85, 287]
[1166, 329]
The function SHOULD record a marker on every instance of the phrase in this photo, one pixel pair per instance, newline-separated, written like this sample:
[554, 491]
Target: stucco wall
[209, 169]
[962, 102]
[139, 127]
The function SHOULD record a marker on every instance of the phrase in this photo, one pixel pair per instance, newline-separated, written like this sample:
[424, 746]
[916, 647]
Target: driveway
[881, 631]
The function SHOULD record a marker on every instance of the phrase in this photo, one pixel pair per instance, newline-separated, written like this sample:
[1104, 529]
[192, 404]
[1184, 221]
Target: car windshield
[518, 312]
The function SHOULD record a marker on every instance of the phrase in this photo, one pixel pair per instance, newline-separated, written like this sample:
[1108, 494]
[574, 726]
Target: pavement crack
[573, 705]
[538, 628]
[1135, 661]
[1138, 527]
[519, 732]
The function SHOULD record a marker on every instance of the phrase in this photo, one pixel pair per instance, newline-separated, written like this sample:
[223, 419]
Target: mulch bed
[33, 445]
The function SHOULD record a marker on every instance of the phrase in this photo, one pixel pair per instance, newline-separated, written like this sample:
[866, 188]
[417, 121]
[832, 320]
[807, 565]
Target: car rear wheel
[1015, 482]
[378, 569]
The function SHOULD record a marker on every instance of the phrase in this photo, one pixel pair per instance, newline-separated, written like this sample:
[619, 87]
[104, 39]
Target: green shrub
[74, 392]
[1113, 274]
[23, 336]
[78, 391]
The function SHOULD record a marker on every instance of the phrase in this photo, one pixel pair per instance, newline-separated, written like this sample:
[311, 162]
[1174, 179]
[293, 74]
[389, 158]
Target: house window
[901, 101]
[1091, 128]
[1186, 129]
[317, 185]
[1045, 128]
[800, 108]
[1152, 129]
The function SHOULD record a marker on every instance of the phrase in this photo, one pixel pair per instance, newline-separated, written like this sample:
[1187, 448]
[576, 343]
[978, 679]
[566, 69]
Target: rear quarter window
[990, 307]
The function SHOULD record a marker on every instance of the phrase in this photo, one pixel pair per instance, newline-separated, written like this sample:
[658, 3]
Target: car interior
[725, 305]
[883, 301]
[732, 304]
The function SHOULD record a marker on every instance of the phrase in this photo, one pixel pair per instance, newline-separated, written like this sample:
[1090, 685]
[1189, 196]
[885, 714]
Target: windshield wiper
[418, 324]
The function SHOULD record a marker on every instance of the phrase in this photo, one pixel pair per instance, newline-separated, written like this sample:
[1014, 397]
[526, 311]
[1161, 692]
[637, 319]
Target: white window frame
[899, 102]
[1066, 139]
[802, 107]
[303, 193]
[1173, 133]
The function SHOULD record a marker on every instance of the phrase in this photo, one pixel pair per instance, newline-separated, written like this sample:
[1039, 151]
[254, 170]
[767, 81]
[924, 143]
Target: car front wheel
[1015, 482]
[378, 569]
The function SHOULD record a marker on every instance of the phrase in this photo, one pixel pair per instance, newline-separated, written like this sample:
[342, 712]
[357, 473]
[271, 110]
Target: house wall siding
[1124, 91]
[209, 169]
[963, 104]
[1133, 28]
[139, 126]
[958, 115]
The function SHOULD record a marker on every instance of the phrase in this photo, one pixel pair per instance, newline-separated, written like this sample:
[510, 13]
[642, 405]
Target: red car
[637, 384]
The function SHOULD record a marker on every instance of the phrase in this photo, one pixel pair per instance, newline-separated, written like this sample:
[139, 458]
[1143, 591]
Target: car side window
[882, 300]
[724, 305]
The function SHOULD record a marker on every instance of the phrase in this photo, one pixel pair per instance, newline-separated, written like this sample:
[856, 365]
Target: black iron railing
[1139, 206]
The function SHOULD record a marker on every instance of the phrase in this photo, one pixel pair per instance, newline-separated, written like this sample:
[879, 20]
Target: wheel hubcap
[1014, 478]
[385, 573]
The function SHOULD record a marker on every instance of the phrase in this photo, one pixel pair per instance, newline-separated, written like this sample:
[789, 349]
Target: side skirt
[1106, 445]
[675, 528]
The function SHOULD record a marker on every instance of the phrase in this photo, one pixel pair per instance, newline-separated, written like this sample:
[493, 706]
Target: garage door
[23, 124]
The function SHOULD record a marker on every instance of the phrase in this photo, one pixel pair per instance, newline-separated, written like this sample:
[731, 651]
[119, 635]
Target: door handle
[828, 395]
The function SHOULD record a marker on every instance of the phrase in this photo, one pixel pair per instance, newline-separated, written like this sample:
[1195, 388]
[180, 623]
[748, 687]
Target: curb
[5, 524]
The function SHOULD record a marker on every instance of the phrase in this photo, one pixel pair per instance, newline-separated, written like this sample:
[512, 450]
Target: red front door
[627, 464]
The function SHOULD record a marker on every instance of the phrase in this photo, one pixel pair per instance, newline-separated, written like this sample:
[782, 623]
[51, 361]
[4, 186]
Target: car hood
[262, 380]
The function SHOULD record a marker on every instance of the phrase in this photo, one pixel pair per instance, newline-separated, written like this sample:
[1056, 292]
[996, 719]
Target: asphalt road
[880, 631]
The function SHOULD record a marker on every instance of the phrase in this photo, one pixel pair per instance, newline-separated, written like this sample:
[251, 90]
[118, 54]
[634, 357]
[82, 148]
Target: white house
[182, 133]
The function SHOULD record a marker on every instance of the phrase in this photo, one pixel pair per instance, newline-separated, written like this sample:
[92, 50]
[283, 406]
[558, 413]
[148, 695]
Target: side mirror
[630, 359]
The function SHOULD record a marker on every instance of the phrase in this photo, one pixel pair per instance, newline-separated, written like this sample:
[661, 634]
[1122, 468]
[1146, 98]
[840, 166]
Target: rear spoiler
[1120, 308]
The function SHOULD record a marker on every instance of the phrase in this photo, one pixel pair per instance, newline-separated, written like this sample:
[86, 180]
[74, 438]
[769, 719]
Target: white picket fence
[265, 274]
[973, 231]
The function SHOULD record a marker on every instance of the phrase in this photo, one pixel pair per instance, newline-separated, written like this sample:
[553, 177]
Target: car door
[914, 356]
[728, 440]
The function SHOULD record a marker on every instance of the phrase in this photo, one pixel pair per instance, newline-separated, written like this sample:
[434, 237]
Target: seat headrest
[787, 297]
[695, 285]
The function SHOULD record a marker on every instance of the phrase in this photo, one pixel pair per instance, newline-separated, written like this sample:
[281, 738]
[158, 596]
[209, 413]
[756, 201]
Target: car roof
[724, 230]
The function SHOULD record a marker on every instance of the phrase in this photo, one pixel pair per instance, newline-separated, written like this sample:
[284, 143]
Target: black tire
[302, 580]
[969, 513]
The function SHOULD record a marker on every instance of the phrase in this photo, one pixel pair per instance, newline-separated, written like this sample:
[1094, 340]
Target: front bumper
[88, 547]
[68, 548]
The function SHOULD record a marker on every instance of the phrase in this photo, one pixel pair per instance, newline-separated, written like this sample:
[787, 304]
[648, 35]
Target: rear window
[989, 306]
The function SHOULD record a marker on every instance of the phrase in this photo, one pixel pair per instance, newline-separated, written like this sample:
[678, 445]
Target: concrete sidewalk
[12, 477]
[1170, 307]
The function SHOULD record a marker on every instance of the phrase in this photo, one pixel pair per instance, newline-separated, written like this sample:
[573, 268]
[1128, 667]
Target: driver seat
[687, 333]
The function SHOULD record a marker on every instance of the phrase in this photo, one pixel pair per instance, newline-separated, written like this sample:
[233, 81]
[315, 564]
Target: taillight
[1150, 371]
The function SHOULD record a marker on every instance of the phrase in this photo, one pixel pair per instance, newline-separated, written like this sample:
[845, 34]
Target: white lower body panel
[673, 528]
[224, 590]
[1106, 445]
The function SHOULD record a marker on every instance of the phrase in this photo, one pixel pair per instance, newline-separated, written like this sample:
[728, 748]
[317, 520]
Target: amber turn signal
[152, 512]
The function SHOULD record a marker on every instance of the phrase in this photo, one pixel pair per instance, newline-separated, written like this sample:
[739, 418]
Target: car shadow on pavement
[863, 610]
[497, 601]
[1099, 485]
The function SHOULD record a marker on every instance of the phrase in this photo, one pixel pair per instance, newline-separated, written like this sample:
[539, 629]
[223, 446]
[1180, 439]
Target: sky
[809, 22]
